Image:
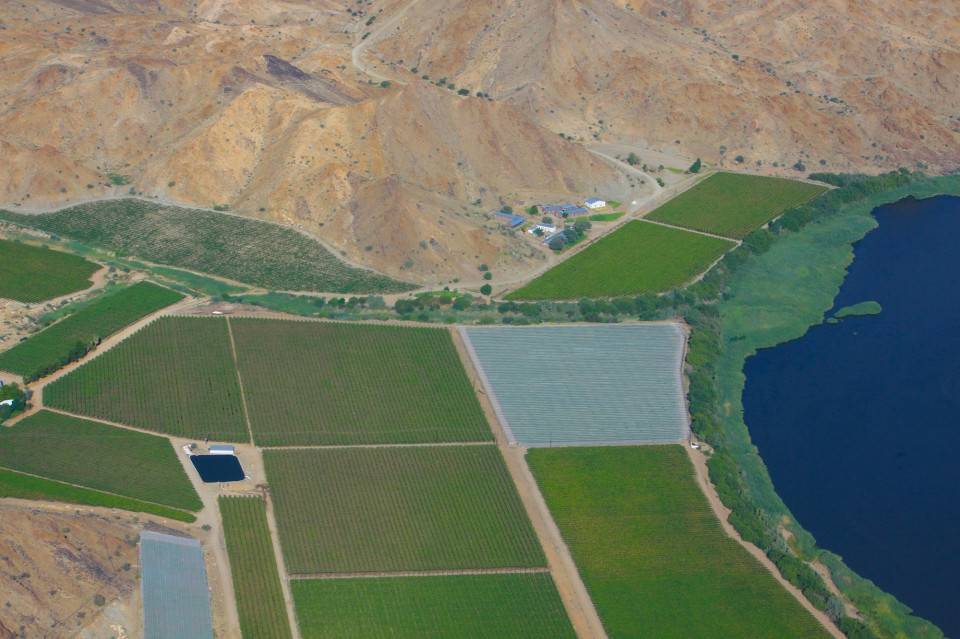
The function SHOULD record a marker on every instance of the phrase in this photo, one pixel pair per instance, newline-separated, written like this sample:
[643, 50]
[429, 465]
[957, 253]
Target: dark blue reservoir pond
[217, 468]
[859, 421]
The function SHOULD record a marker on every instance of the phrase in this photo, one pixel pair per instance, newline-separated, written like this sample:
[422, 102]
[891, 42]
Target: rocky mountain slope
[258, 105]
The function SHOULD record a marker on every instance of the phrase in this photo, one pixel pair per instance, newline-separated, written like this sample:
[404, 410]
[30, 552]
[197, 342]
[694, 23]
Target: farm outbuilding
[579, 210]
[221, 449]
[596, 203]
[546, 228]
[513, 221]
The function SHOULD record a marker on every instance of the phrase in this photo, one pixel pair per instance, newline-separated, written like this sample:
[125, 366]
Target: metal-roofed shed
[173, 585]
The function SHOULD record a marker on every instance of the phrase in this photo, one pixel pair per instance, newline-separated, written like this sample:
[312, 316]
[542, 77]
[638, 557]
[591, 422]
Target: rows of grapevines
[98, 456]
[651, 552]
[639, 257]
[333, 383]
[175, 376]
[398, 508]
[54, 347]
[33, 274]
[21, 486]
[734, 204]
[256, 582]
[230, 246]
[468, 606]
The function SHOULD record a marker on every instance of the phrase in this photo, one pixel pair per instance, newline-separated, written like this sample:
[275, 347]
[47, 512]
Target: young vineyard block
[376, 509]
[56, 346]
[474, 606]
[594, 384]
[639, 257]
[98, 456]
[652, 553]
[175, 376]
[336, 383]
[256, 582]
[34, 274]
[734, 204]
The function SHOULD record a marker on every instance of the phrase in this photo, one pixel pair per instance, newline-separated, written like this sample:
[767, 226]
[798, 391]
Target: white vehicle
[694, 445]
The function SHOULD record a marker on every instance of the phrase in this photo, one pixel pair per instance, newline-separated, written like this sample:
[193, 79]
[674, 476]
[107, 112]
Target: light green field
[639, 257]
[56, 346]
[734, 204]
[377, 509]
[652, 553]
[97, 456]
[34, 274]
[175, 376]
[515, 606]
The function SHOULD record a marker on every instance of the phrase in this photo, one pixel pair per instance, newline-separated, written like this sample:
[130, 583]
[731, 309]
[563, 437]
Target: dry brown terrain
[259, 105]
[53, 564]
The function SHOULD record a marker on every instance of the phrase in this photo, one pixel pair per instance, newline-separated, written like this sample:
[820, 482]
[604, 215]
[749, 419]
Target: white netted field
[583, 384]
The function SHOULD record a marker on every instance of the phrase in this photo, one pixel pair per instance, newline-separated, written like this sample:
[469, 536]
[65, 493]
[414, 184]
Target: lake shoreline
[775, 298]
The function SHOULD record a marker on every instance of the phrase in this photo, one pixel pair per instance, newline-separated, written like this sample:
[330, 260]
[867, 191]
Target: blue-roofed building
[596, 203]
[575, 211]
[567, 207]
[513, 221]
[546, 240]
[550, 209]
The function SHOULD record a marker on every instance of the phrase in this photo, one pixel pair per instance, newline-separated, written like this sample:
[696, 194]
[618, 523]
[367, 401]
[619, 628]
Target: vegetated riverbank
[773, 290]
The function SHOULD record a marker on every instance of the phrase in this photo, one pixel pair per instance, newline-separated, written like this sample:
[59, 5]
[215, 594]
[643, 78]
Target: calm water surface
[859, 422]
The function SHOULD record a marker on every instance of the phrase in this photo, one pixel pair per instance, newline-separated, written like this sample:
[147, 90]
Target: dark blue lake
[859, 422]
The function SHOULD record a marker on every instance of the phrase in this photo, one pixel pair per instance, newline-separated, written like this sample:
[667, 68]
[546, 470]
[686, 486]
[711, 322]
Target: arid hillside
[861, 86]
[311, 113]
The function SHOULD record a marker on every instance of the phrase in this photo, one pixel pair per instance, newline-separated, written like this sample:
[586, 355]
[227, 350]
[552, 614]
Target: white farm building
[596, 203]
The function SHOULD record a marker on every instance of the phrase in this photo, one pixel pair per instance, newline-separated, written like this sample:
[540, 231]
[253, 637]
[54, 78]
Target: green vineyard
[734, 204]
[651, 552]
[256, 582]
[639, 257]
[97, 456]
[69, 339]
[13, 484]
[229, 246]
[517, 606]
[174, 376]
[35, 274]
[398, 508]
[332, 383]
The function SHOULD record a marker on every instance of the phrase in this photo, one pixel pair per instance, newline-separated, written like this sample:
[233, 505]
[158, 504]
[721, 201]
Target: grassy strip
[773, 291]
[466, 606]
[354, 384]
[71, 338]
[734, 204]
[256, 581]
[412, 508]
[229, 246]
[91, 454]
[638, 257]
[14, 484]
[175, 376]
[34, 274]
[606, 217]
[652, 553]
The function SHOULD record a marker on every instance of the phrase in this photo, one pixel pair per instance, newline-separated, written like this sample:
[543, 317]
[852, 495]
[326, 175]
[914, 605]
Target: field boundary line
[413, 445]
[702, 478]
[577, 602]
[285, 577]
[236, 367]
[683, 228]
[443, 572]
[105, 492]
